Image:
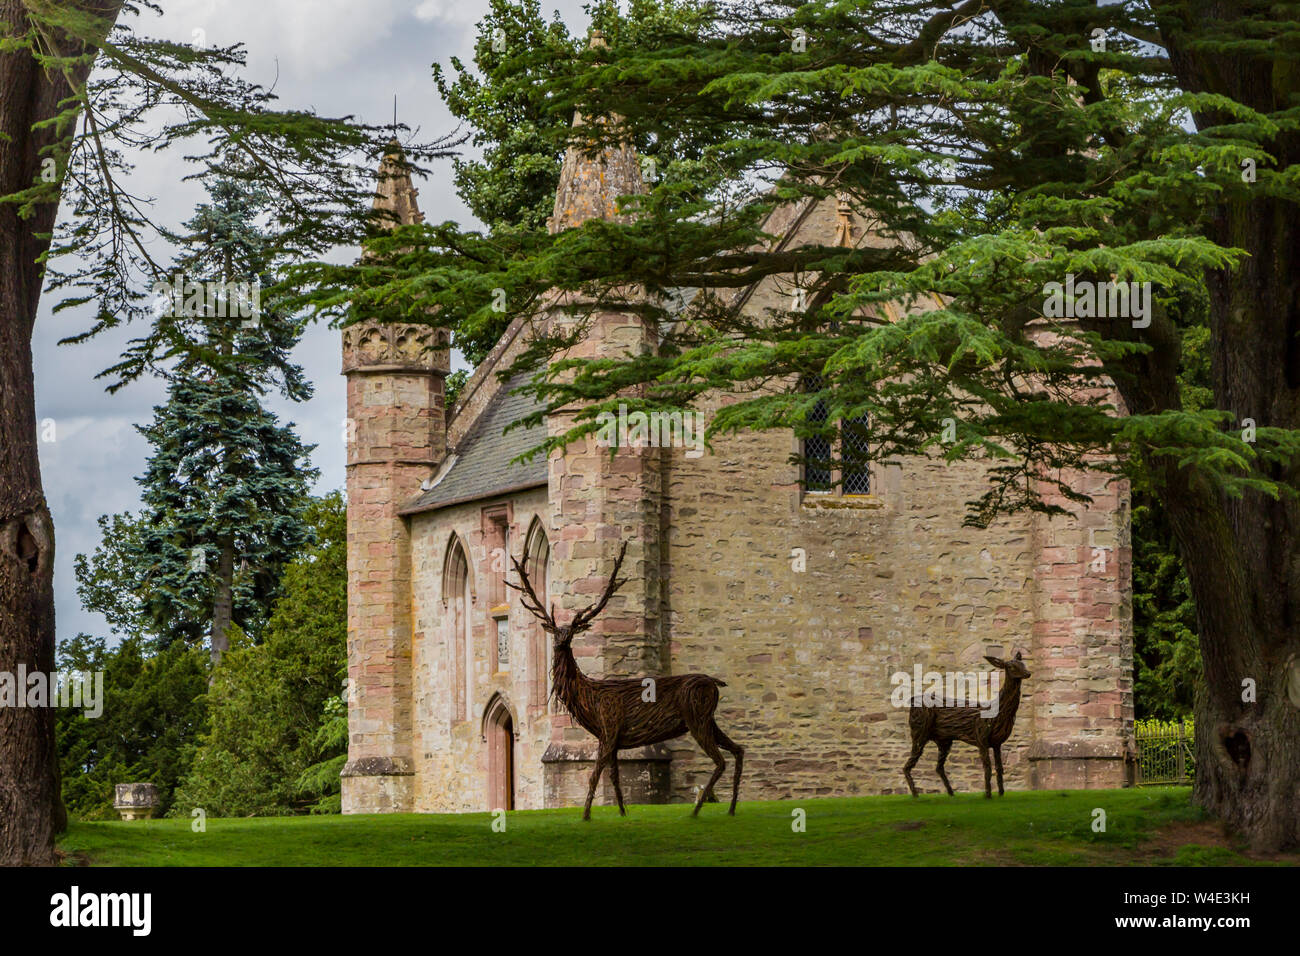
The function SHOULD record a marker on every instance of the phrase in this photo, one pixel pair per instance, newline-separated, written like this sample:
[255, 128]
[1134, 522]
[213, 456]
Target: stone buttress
[598, 501]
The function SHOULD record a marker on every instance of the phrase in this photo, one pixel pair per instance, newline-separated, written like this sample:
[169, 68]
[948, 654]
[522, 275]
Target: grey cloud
[338, 56]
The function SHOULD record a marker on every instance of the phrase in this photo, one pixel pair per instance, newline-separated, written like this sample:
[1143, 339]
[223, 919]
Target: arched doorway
[499, 735]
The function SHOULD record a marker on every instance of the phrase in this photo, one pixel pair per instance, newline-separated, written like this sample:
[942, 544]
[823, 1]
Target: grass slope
[1143, 826]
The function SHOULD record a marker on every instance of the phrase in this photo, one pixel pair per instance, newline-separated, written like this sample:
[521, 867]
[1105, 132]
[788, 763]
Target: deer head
[563, 634]
[1013, 667]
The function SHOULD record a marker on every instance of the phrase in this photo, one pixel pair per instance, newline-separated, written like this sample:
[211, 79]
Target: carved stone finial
[376, 346]
[395, 194]
[844, 226]
[590, 183]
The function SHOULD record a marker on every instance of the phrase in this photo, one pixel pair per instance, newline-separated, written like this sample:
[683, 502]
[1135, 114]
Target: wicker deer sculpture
[970, 725]
[617, 713]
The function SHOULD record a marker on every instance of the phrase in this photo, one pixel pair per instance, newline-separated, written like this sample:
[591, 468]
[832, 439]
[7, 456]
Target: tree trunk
[1247, 711]
[1248, 759]
[1242, 554]
[1248, 728]
[29, 798]
[223, 606]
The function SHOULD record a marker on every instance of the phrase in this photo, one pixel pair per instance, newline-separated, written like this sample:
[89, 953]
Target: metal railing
[1166, 752]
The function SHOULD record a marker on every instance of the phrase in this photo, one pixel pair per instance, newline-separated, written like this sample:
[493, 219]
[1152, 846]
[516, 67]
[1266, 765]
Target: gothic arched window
[537, 563]
[458, 604]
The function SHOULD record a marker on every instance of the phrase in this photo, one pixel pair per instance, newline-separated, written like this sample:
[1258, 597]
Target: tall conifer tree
[226, 483]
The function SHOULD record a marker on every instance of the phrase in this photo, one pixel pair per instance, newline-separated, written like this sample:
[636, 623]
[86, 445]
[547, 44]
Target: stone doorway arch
[500, 737]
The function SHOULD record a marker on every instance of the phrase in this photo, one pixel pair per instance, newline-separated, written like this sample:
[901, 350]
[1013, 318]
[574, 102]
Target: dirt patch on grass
[1168, 840]
[997, 858]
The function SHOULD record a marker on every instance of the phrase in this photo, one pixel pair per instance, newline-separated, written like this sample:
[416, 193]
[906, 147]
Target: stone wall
[890, 580]
[1083, 639]
[450, 754]
[598, 502]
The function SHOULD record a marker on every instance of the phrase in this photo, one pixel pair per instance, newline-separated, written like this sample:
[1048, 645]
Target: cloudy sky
[338, 56]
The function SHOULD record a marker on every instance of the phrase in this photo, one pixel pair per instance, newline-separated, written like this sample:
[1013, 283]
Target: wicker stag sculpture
[616, 712]
[970, 725]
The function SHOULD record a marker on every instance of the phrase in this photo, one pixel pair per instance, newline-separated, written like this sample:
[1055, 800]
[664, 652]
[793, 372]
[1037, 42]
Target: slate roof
[483, 465]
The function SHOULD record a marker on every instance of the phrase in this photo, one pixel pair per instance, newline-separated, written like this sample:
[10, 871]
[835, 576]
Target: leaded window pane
[817, 449]
[855, 437]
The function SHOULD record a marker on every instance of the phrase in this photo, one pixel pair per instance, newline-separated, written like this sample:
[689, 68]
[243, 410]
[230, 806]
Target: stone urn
[135, 801]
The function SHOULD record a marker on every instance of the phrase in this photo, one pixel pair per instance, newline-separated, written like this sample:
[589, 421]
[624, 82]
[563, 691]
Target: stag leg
[602, 758]
[997, 762]
[988, 772]
[917, 747]
[736, 751]
[618, 788]
[944, 746]
[704, 735]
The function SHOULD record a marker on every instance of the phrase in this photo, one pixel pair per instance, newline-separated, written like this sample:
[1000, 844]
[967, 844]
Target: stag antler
[526, 594]
[582, 620]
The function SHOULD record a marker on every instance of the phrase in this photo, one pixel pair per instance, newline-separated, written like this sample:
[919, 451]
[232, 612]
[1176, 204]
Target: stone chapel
[449, 697]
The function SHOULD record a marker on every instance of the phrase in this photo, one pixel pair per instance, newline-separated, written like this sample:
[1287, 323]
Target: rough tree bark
[223, 606]
[1242, 564]
[29, 798]
[1243, 555]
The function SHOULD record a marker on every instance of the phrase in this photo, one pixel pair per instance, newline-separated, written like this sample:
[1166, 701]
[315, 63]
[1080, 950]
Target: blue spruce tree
[226, 485]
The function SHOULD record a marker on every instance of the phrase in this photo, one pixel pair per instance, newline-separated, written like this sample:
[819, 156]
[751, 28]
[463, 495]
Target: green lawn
[1143, 826]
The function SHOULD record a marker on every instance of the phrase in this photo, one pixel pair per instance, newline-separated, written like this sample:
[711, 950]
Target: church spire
[590, 183]
[395, 194]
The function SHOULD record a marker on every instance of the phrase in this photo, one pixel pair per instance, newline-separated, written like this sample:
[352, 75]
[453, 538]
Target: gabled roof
[478, 465]
[481, 466]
